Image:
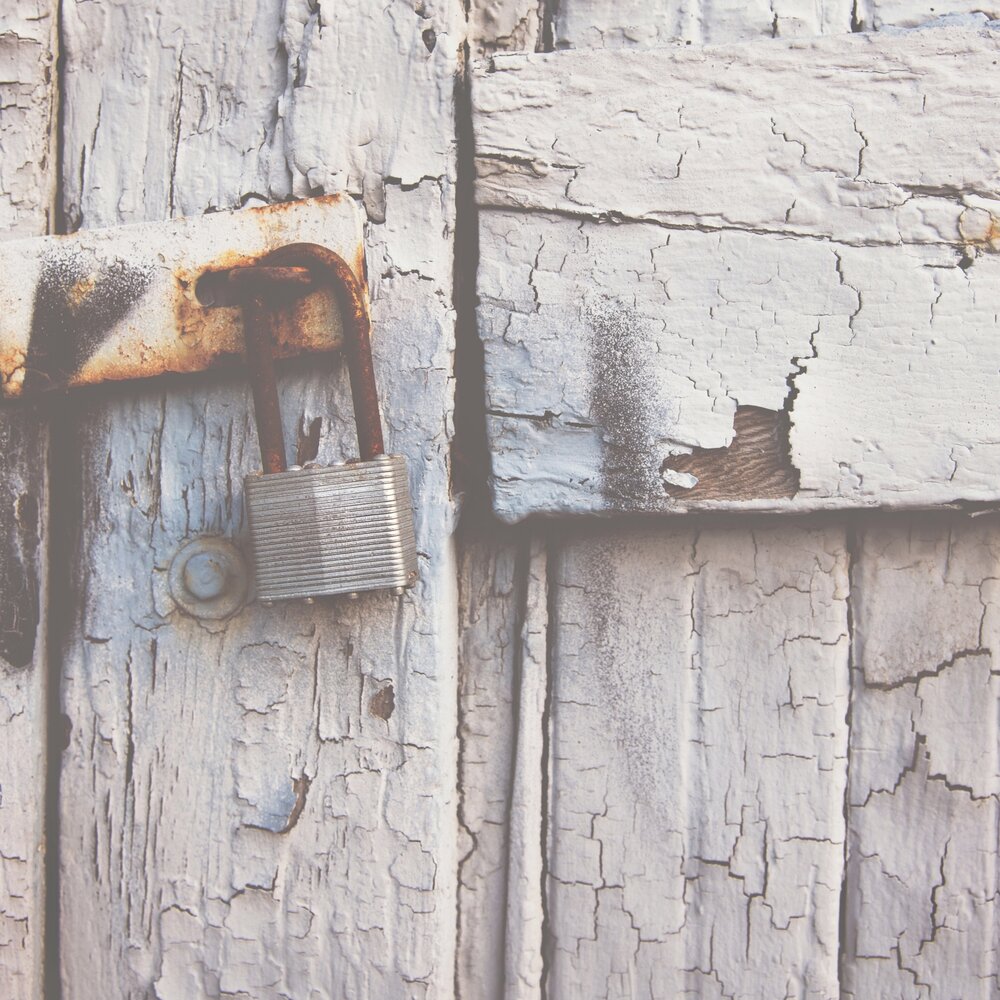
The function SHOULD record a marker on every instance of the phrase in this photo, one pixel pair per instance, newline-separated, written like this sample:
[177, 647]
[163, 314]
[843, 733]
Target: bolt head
[208, 578]
[206, 575]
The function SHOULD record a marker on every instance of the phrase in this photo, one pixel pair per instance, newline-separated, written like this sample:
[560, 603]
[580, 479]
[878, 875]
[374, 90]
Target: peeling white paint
[768, 243]
[238, 817]
[27, 186]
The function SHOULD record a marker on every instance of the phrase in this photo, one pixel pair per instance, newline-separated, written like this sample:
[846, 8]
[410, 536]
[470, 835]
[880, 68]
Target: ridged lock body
[336, 530]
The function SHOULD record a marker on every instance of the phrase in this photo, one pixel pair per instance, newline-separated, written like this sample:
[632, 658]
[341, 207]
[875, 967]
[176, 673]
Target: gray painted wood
[905, 609]
[698, 763]
[27, 186]
[262, 807]
[924, 770]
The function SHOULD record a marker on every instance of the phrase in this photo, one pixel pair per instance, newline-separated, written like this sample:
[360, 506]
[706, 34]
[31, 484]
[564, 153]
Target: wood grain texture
[698, 763]
[491, 606]
[247, 809]
[27, 186]
[924, 768]
[505, 25]
[626, 315]
[756, 464]
[504, 680]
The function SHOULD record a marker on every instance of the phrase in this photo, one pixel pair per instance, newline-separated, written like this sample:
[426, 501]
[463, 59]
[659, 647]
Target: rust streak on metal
[262, 287]
[350, 295]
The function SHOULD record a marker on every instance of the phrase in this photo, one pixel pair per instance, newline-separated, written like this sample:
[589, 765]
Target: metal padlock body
[319, 531]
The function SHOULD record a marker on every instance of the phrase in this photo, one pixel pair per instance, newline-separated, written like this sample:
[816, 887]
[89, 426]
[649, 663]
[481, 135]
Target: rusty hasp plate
[139, 301]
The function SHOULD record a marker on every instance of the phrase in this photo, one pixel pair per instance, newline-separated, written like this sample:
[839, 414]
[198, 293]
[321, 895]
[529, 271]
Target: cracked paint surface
[765, 248]
[924, 766]
[699, 762]
[28, 49]
[262, 807]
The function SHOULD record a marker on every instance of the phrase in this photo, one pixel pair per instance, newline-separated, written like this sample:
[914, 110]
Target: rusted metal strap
[141, 301]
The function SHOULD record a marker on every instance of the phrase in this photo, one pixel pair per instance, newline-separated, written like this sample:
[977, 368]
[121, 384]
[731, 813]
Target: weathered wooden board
[263, 808]
[924, 770]
[491, 602]
[910, 616]
[27, 186]
[131, 301]
[663, 338]
[698, 763]
[598, 24]
[504, 679]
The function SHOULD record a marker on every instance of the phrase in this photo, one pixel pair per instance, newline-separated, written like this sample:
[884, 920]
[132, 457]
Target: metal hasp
[319, 531]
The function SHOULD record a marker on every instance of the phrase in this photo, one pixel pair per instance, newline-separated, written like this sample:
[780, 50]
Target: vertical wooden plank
[524, 944]
[924, 768]
[263, 807]
[698, 763]
[491, 608]
[503, 677]
[27, 184]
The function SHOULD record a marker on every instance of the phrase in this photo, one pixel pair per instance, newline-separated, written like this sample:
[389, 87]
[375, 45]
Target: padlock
[318, 531]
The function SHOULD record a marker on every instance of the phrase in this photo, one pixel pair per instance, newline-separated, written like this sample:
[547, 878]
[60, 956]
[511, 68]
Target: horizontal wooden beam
[126, 302]
[753, 276]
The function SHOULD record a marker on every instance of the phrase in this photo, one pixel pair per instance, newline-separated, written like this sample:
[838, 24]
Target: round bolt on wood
[208, 578]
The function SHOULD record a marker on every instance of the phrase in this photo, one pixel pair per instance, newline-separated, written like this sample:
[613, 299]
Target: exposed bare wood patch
[756, 464]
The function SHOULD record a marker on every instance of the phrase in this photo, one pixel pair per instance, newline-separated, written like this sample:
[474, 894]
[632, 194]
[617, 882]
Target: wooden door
[717, 755]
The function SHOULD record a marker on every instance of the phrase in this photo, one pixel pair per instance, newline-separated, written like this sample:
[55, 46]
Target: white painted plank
[698, 756]
[924, 768]
[524, 942]
[246, 810]
[491, 589]
[737, 136]
[613, 24]
[704, 306]
[504, 678]
[27, 185]
[876, 14]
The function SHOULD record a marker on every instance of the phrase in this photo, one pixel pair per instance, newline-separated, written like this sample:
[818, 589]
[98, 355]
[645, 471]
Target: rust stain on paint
[383, 703]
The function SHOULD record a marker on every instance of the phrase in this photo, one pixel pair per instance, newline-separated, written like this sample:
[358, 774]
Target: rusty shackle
[299, 267]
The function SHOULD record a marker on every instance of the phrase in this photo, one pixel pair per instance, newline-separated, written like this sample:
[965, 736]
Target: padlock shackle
[331, 269]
